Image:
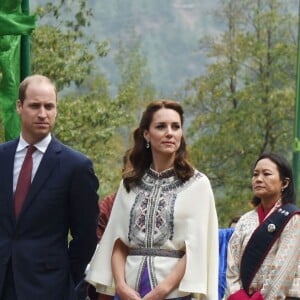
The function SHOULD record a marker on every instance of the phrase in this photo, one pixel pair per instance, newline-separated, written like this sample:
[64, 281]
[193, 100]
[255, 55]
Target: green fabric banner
[13, 24]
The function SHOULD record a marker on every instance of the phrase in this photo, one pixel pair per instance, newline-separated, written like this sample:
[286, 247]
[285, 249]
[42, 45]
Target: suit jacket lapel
[7, 171]
[48, 163]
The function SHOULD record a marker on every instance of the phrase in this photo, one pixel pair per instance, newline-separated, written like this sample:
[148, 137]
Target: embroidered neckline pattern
[151, 222]
[152, 213]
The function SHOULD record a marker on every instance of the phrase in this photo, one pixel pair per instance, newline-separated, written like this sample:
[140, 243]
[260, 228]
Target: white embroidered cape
[185, 219]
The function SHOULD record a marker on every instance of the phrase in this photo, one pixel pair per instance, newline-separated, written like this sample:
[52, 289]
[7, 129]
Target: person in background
[106, 203]
[161, 241]
[224, 237]
[263, 260]
[233, 221]
[60, 197]
[105, 206]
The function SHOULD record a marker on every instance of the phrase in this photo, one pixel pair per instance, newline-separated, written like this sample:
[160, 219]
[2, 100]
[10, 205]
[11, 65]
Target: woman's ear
[146, 135]
[285, 182]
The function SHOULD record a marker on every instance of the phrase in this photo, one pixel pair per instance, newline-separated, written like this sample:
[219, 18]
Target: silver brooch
[271, 227]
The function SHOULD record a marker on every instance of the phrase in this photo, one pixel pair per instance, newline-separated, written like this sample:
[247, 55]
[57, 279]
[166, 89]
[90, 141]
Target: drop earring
[147, 145]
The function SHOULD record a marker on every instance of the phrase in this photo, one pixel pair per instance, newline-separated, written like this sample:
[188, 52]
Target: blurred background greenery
[231, 63]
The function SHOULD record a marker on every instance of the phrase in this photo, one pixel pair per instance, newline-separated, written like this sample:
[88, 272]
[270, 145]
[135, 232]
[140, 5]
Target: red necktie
[24, 180]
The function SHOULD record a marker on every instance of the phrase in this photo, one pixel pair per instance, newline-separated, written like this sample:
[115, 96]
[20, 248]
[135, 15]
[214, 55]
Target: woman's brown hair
[141, 157]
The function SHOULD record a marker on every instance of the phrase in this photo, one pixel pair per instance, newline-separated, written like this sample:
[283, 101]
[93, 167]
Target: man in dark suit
[36, 260]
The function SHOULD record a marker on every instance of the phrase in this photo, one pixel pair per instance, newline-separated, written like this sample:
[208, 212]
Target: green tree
[61, 47]
[244, 103]
[135, 76]
[89, 119]
[88, 122]
[135, 89]
[63, 50]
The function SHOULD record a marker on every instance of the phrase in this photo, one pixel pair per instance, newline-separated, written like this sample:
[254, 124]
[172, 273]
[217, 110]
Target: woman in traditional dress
[263, 255]
[161, 241]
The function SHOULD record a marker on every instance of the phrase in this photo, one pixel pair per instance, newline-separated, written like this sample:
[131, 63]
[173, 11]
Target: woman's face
[266, 182]
[165, 132]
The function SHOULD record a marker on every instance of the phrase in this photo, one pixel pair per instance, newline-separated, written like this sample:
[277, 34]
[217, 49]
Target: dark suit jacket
[62, 199]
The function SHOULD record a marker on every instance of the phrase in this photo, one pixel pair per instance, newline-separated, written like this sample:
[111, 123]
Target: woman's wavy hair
[285, 171]
[141, 157]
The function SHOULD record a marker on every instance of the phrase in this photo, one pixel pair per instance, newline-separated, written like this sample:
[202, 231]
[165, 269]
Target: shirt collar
[41, 145]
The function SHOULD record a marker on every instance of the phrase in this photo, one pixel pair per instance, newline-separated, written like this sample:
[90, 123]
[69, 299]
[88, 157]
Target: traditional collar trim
[166, 180]
[164, 174]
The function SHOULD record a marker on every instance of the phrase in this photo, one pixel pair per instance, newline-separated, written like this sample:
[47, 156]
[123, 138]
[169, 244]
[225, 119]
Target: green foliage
[89, 120]
[244, 105]
[135, 88]
[89, 123]
[60, 47]
[241, 106]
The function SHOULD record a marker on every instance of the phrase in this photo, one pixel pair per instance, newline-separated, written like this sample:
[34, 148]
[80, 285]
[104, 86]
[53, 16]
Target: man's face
[38, 111]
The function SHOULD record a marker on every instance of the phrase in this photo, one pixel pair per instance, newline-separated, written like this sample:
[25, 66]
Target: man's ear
[18, 106]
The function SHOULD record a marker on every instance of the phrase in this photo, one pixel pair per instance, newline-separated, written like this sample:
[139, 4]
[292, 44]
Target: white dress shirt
[37, 156]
